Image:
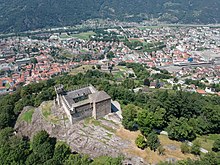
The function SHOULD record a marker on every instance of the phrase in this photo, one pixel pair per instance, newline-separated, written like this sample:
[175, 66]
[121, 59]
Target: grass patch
[87, 120]
[81, 69]
[27, 116]
[84, 36]
[208, 140]
[147, 154]
[123, 72]
[118, 75]
[108, 120]
[108, 128]
[83, 51]
[109, 135]
[67, 54]
[46, 111]
[148, 27]
[96, 122]
[64, 36]
[7, 85]
[58, 143]
[91, 120]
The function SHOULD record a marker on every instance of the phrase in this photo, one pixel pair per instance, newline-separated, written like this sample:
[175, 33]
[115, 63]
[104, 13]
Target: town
[190, 54]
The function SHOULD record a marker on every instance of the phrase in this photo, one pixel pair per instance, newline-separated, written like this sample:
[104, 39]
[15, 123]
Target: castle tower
[59, 90]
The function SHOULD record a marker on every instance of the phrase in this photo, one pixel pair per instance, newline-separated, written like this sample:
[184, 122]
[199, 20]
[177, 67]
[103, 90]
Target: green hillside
[21, 15]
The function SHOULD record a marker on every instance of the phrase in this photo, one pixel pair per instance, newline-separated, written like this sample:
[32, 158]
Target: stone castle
[84, 102]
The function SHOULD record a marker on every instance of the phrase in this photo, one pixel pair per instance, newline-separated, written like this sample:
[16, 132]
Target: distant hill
[21, 15]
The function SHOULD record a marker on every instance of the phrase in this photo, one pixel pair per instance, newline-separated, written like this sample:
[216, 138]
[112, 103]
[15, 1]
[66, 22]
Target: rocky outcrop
[95, 138]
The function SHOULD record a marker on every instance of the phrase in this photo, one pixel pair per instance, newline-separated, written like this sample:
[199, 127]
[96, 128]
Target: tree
[141, 142]
[98, 66]
[61, 153]
[18, 107]
[76, 159]
[43, 146]
[129, 115]
[13, 149]
[52, 162]
[153, 141]
[210, 158]
[175, 87]
[180, 130]
[161, 150]
[18, 150]
[196, 148]
[159, 118]
[147, 82]
[216, 145]
[105, 160]
[165, 163]
[146, 122]
[110, 55]
[45, 152]
[40, 138]
[158, 84]
[5, 120]
[185, 148]
[32, 159]
[34, 61]
[5, 134]
[128, 83]
[211, 115]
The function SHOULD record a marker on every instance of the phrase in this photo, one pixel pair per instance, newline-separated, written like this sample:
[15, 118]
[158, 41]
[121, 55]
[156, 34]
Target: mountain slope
[20, 15]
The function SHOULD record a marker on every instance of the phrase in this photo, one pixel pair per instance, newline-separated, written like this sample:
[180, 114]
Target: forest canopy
[23, 15]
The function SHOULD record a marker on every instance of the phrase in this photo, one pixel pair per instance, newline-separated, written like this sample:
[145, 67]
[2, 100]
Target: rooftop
[84, 96]
[99, 96]
[75, 96]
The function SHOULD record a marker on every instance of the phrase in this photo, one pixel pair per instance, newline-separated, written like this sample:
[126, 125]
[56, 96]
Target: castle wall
[102, 108]
[82, 112]
[66, 108]
[78, 111]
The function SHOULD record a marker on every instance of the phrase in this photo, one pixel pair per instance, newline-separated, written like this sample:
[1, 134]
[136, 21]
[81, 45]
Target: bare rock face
[89, 136]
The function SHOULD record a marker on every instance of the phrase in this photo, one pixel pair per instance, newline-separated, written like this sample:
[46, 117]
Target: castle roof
[99, 96]
[79, 93]
[84, 96]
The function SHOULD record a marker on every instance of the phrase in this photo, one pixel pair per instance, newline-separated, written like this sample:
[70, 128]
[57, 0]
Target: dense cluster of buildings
[191, 52]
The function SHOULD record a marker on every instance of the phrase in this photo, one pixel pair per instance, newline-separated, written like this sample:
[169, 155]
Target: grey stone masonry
[84, 102]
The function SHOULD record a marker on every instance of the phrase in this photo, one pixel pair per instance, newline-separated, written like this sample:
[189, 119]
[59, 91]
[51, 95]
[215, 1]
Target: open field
[27, 116]
[136, 39]
[121, 73]
[150, 156]
[46, 109]
[118, 75]
[91, 120]
[208, 140]
[84, 36]
[148, 27]
[81, 69]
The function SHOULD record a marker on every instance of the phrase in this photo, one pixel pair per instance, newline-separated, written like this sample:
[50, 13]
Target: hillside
[93, 137]
[21, 15]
